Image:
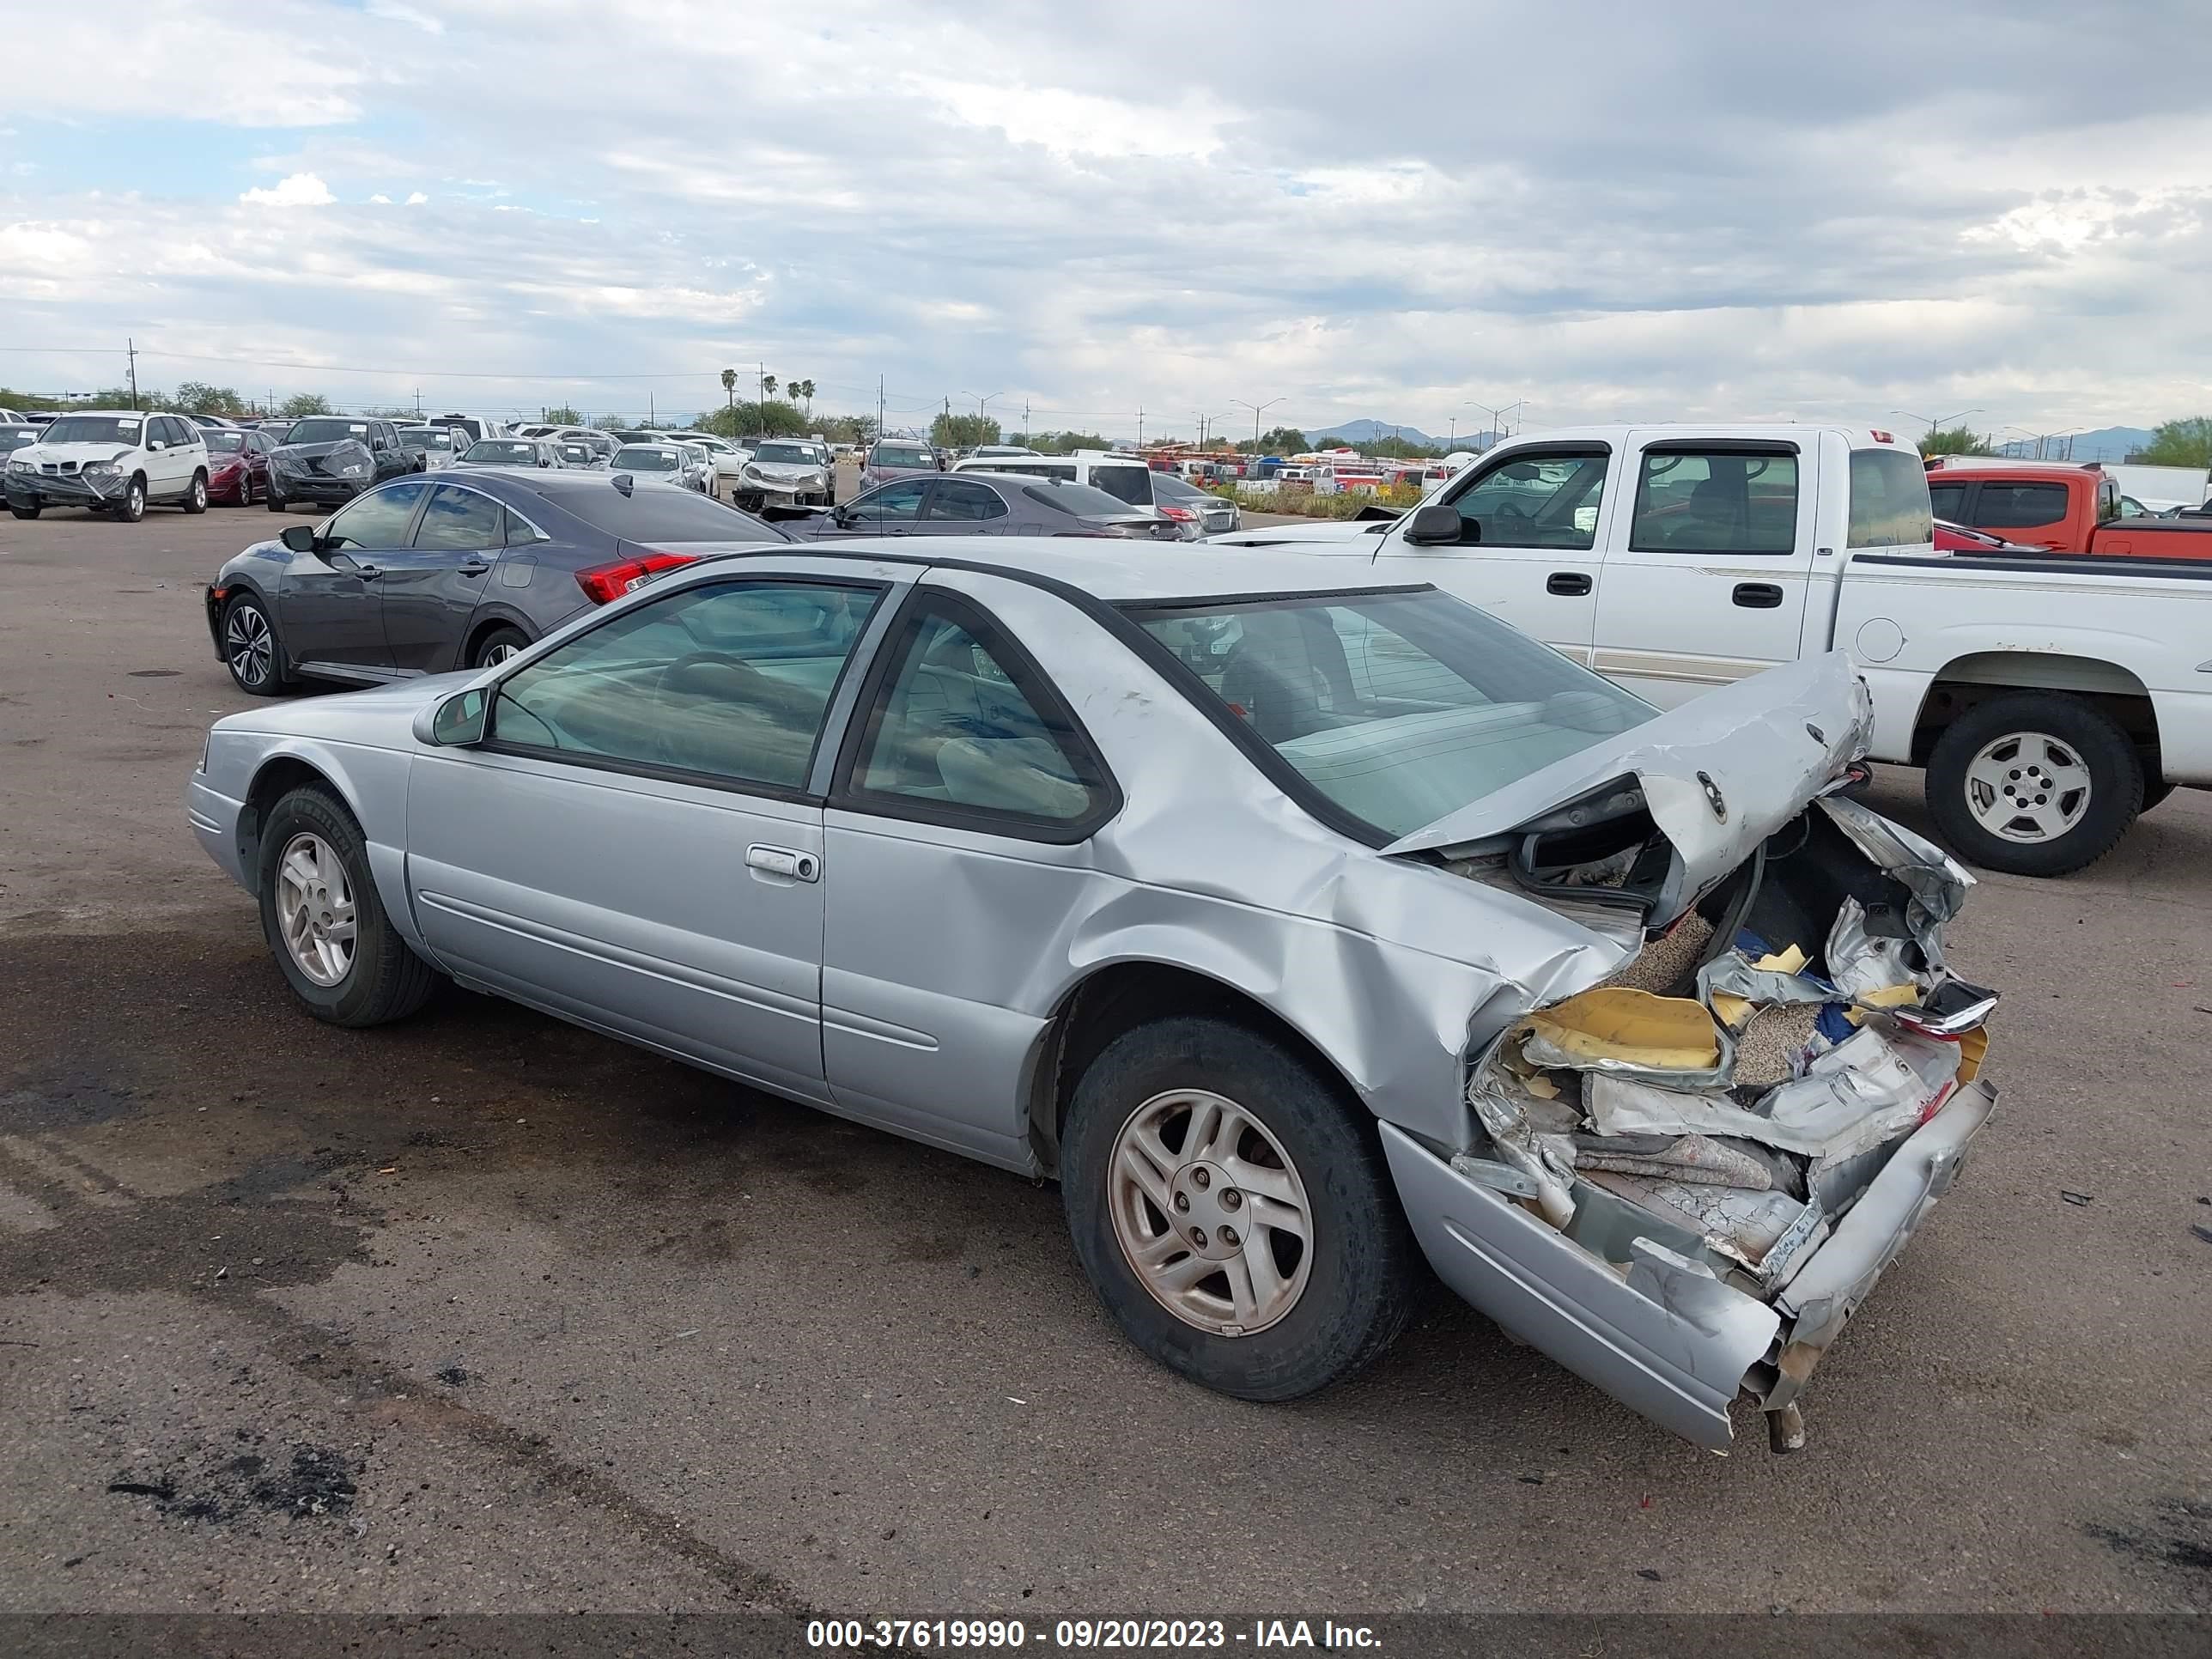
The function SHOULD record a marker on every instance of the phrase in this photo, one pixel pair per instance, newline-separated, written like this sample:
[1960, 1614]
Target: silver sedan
[1302, 932]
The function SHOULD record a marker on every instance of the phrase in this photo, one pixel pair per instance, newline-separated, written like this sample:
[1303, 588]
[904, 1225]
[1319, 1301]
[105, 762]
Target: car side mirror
[1439, 526]
[156, 443]
[457, 722]
[299, 538]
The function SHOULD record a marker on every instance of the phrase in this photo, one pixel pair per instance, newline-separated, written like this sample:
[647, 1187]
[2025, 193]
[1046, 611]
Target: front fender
[373, 784]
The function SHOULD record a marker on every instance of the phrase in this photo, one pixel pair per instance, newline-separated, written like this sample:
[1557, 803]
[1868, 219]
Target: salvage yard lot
[481, 1311]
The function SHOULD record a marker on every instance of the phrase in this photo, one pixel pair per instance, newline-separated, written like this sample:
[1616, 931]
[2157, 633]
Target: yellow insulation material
[1668, 1034]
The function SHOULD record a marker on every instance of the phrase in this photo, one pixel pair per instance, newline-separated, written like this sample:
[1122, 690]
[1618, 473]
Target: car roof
[1120, 571]
[114, 414]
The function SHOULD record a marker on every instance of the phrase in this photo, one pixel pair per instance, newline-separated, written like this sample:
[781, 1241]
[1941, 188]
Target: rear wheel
[319, 911]
[1233, 1210]
[2035, 784]
[497, 646]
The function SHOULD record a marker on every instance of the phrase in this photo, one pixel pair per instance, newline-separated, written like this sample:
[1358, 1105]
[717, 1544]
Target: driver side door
[330, 602]
[1533, 530]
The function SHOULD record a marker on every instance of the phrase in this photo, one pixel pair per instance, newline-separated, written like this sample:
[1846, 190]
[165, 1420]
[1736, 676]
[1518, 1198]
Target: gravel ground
[484, 1313]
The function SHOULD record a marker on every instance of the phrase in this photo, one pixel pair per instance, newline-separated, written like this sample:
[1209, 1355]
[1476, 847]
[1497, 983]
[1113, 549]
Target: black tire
[386, 981]
[132, 506]
[26, 511]
[2087, 733]
[272, 500]
[1362, 1276]
[506, 640]
[2154, 791]
[246, 489]
[240, 634]
[195, 498]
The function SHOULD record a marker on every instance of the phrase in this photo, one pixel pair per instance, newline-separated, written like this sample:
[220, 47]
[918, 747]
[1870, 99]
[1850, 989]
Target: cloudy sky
[1608, 211]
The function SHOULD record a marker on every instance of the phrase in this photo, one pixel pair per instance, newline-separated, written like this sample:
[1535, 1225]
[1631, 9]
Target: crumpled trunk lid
[1719, 775]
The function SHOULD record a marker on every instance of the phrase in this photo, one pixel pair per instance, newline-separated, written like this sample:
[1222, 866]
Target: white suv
[111, 461]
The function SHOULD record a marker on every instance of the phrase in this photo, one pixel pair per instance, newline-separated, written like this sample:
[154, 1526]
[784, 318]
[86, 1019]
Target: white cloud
[294, 190]
[279, 63]
[416, 198]
[381, 199]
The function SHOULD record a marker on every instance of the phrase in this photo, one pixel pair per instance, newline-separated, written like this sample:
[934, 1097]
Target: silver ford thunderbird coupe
[1305, 931]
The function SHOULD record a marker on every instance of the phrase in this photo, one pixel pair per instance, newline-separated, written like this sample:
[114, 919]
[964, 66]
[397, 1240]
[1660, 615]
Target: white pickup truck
[2050, 699]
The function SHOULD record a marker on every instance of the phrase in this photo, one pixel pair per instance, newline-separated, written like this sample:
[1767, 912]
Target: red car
[238, 465]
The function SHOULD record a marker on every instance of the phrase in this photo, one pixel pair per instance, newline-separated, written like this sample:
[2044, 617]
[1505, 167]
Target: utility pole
[1140, 428]
[130, 346]
[418, 403]
[1025, 420]
[879, 405]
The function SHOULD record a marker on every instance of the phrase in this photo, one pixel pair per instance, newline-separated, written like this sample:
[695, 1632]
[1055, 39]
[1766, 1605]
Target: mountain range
[1356, 432]
[2107, 443]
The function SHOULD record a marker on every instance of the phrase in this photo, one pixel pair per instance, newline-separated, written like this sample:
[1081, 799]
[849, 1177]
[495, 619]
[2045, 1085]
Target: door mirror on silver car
[456, 723]
[299, 538]
[1438, 526]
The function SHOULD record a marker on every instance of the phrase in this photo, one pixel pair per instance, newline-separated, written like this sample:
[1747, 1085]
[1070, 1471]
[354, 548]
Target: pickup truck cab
[2062, 509]
[2050, 699]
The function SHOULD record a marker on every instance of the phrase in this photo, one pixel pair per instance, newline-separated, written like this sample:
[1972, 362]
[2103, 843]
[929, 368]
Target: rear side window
[1132, 485]
[960, 498]
[1079, 499]
[1948, 502]
[2019, 506]
[1889, 500]
[653, 514]
[1715, 502]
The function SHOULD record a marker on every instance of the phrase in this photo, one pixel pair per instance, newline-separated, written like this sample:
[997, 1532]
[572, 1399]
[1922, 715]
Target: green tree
[767, 384]
[2179, 443]
[562, 414]
[804, 391]
[1276, 440]
[119, 396]
[963, 431]
[740, 422]
[1958, 440]
[301, 403]
[1401, 449]
[197, 397]
[1066, 443]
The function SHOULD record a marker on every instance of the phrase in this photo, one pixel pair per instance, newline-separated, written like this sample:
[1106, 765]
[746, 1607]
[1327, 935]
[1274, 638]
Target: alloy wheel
[1209, 1213]
[314, 905]
[2027, 787]
[500, 653]
[248, 645]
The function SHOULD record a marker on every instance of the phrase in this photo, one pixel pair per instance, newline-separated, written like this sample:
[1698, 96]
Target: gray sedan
[1302, 932]
[981, 504]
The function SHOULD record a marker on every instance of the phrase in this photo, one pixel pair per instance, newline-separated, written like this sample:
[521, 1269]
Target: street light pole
[1257, 409]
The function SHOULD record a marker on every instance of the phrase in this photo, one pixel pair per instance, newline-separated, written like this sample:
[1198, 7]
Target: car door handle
[475, 566]
[1758, 595]
[784, 861]
[1567, 584]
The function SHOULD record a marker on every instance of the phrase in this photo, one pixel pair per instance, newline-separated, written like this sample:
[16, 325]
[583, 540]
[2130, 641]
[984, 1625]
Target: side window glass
[964, 726]
[728, 683]
[1712, 502]
[900, 500]
[1542, 501]
[2019, 506]
[1948, 501]
[459, 520]
[958, 498]
[377, 519]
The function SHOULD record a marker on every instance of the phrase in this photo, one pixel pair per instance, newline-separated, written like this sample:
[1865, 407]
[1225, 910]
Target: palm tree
[804, 390]
[730, 391]
[768, 386]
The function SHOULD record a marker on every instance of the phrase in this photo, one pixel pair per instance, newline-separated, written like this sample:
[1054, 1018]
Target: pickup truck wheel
[2034, 784]
[337, 949]
[1233, 1210]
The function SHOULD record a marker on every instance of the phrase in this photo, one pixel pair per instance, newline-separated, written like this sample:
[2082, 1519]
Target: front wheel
[319, 911]
[195, 498]
[2034, 784]
[1233, 1210]
[250, 649]
[275, 502]
[132, 507]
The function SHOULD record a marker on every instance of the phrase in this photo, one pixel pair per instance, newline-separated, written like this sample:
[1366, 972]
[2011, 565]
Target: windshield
[1393, 708]
[788, 454]
[225, 443]
[15, 437]
[578, 454]
[503, 452]
[910, 455]
[1175, 488]
[1079, 499]
[326, 432]
[635, 459]
[93, 429]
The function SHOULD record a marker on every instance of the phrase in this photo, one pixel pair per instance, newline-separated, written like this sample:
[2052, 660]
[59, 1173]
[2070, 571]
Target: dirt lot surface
[482, 1312]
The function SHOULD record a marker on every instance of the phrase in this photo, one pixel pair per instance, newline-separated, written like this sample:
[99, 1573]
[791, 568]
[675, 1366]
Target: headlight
[14, 465]
[352, 469]
[206, 744]
[100, 469]
[752, 472]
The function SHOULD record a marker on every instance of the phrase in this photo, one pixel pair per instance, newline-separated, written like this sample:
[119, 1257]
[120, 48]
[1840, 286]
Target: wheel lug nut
[1230, 1198]
[1182, 1201]
[1228, 1237]
[1200, 1179]
[1197, 1237]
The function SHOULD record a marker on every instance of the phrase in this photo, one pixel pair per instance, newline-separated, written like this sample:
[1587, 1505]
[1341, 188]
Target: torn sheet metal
[1764, 1231]
[1720, 774]
[1692, 1158]
[1937, 882]
[1867, 967]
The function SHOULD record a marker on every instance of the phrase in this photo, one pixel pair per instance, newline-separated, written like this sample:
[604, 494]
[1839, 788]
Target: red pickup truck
[2062, 509]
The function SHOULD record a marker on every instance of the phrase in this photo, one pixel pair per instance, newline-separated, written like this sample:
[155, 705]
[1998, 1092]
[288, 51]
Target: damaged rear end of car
[1682, 1180]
